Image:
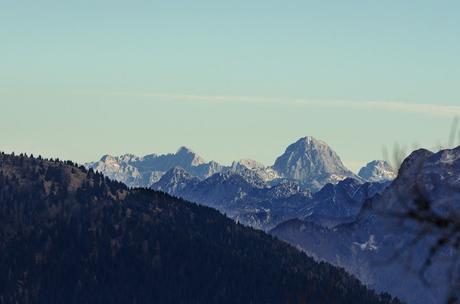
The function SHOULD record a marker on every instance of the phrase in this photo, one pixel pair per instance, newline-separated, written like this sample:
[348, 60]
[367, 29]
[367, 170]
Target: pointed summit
[311, 162]
[378, 171]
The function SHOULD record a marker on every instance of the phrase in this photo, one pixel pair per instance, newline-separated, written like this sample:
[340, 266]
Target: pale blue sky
[232, 79]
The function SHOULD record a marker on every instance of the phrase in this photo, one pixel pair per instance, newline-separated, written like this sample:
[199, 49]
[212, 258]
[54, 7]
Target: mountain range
[309, 162]
[72, 235]
[143, 171]
[254, 194]
[250, 203]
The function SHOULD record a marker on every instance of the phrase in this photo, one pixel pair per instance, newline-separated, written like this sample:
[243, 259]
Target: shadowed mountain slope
[401, 235]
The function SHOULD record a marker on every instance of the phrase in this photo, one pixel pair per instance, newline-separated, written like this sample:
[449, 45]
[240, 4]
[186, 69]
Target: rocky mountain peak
[378, 171]
[311, 162]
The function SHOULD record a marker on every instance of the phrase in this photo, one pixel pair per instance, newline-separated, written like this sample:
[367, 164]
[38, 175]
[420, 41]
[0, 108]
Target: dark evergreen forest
[69, 235]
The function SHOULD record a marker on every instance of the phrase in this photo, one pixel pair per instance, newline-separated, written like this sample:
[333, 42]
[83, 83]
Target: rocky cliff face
[312, 163]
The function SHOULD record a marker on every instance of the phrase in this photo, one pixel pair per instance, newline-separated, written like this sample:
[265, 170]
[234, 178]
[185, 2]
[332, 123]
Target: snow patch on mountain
[267, 174]
[137, 171]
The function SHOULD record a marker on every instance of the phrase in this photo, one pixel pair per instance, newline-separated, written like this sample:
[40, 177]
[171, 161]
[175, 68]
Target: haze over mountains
[250, 192]
[310, 162]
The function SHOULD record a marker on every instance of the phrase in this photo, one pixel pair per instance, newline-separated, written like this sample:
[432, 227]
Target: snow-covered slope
[313, 163]
[267, 174]
[122, 168]
[378, 171]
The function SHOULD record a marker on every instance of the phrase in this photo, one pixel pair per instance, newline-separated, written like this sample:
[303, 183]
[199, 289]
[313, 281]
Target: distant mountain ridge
[309, 162]
[248, 191]
[248, 200]
[143, 171]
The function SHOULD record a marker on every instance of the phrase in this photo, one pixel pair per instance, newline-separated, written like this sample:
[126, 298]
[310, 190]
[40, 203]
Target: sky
[229, 79]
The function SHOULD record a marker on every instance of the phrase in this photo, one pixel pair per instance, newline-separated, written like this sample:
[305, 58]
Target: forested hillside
[68, 235]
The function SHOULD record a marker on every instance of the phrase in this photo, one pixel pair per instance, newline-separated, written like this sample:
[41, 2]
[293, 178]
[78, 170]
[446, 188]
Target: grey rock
[313, 163]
